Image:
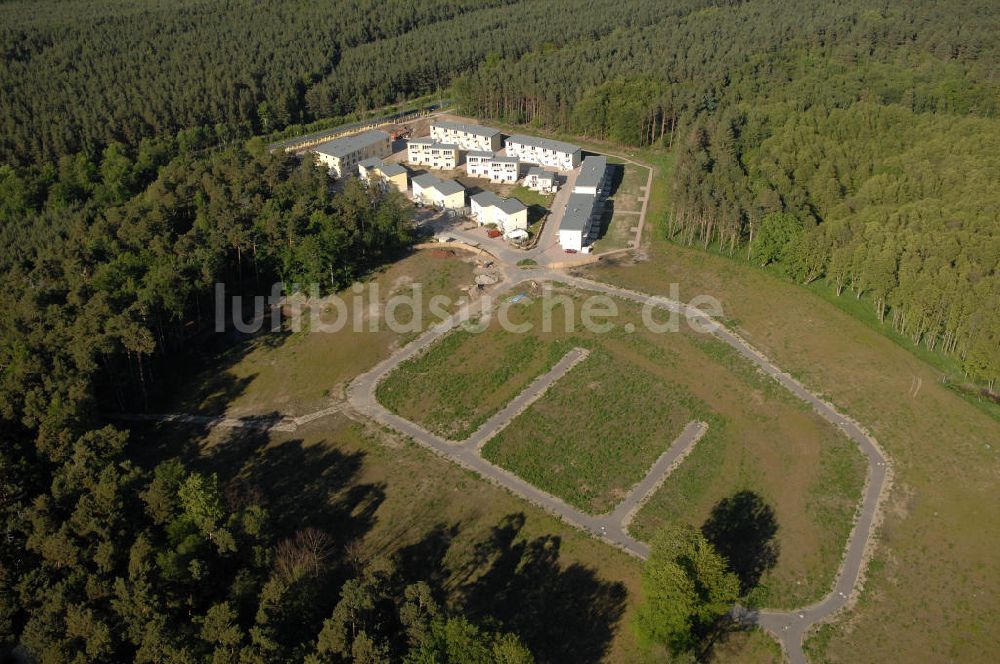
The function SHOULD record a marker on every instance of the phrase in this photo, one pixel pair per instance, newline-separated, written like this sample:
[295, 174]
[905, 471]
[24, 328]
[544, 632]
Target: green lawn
[299, 373]
[945, 468]
[530, 197]
[596, 432]
[617, 231]
[460, 381]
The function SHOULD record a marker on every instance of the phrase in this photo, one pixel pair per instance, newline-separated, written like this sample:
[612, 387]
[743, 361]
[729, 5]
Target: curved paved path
[788, 627]
[611, 527]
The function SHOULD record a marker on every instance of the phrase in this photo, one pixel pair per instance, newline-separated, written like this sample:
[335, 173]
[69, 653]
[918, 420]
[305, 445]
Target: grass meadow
[596, 432]
[298, 373]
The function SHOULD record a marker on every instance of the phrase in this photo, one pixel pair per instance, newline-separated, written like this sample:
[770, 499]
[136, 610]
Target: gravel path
[530, 395]
[789, 627]
[609, 527]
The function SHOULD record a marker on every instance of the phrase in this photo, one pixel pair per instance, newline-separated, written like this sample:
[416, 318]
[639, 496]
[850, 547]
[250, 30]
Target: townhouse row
[581, 222]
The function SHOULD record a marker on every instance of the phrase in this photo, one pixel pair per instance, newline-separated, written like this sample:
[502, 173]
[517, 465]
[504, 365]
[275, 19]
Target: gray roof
[341, 147]
[512, 205]
[426, 180]
[508, 205]
[592, 171]
[541, 173]
[545, 143]
[390, 170]
[467, 128]
[505, 160]
[430, 142]
[370, 162]
[579, 209]
[449, 187]
[479, 153]
[487, 199]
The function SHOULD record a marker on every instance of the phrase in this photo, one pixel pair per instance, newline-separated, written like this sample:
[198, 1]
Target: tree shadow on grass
[562, 613]
[742, 528]
[302, 486]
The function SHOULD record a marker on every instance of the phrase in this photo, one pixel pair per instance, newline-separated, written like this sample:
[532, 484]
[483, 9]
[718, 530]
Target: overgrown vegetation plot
[596, 432]
[459, 382]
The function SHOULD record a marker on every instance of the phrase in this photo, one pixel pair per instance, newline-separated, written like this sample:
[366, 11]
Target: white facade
[342, 155]
[507, 214]
[477, 163]
[488, 165]
[541, 180]
[431, 190]
[571, 239]
[466, 136]
[544, 152]
[577, 227]
[428, 152]
[593, 177]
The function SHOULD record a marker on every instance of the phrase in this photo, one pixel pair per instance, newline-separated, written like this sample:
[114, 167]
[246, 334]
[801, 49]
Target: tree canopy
[686, 589]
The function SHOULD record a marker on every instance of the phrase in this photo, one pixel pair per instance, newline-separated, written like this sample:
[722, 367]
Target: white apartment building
[544, 152]
[593, 177]
[540, 180]
[507, 214]
[484, 164]
[432, 190]
[466, 136]
[581, 222]
[342, 155]
[431, 153]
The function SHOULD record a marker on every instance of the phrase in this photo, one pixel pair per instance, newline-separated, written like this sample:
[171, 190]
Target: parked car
[493, 233]
[570, 251]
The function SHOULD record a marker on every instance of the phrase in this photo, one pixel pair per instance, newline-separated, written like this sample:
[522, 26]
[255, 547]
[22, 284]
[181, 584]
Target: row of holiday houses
[363, 153]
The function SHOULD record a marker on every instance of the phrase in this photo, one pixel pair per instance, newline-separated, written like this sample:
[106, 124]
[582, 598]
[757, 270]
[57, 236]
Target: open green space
[459, 382]
[617, 230]
[942, 447]
[298, 373]
[594, 433]
[532, 198]
[628, 183]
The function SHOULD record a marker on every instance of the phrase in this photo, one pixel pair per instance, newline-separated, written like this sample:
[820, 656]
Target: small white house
[429, 189]
[540, 180]
[507, 214]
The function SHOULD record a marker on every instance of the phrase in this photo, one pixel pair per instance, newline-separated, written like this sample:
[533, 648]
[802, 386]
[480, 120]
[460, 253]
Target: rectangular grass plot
[596, 432]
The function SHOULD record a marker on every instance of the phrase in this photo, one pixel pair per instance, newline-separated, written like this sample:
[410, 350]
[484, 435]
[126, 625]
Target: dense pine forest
[851, 142]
